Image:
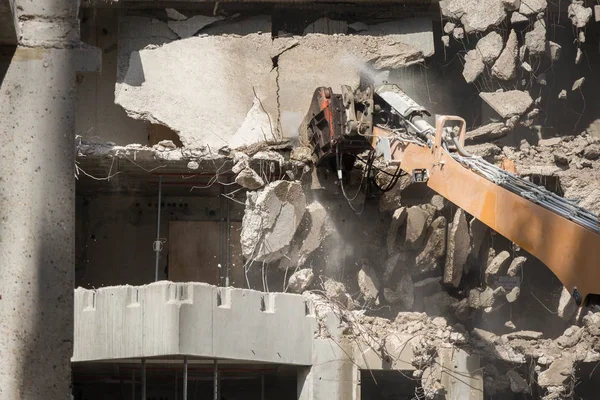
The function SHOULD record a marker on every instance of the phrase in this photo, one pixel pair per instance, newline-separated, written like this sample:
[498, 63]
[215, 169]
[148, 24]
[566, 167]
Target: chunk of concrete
[517, 383]
[398, 218]
[446, 40]
[368, 283]
[511, 5]
[438, 202]
[473, 67]
[531, 7]
[435, 247]
[579, 14]
[458, 33]
[449, 27]
[301, 280]
[498, 266]
[558, 374]
[487, 133]
[553, 50]
[516, 265]
[249, 179]
[175, 74]
[566, 305]
[336, 291]
[578, 83]
[475, 15]
[271, 219]
[505, 67]
[490, 47]
[518, 18]
[508, 104]
[390, 200]
[416, 227]
[535, 40]
[191, 26]
[459, 243]
[482, 298]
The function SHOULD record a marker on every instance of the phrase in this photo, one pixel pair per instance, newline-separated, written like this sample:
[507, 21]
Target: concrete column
[37, 192]
[333, 374]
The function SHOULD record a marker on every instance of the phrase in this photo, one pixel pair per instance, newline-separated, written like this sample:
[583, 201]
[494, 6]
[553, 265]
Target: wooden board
[194, 252]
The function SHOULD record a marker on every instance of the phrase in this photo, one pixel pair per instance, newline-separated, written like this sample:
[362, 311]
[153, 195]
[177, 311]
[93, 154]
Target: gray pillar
[37, 207]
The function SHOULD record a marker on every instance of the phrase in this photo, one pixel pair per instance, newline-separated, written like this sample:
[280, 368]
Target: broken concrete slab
[490, 47]
[475, 15]
[458, 33]
[174, 74]
[459, 244]
[531, 7]
[416, 227]
[516, 265]
[518, 18]
[553, 50]
[271, 219]
[566, 305]
[191, 26]
[473, 67]
[517, 383]
[435, 247]
[579, 14]
[301, 280]
[487, 133]
[511, 5]
[578, 56]
[508, 104]
[484, 150]
[398, 219]
[390, 265]
[558, 374]
[505, 67]
[403, 292]
[249, 179]
[498, 266]
[535, 40]
[449, 27]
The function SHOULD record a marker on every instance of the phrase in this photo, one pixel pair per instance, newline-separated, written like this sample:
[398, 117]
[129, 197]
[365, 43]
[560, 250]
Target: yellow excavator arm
[564, 236]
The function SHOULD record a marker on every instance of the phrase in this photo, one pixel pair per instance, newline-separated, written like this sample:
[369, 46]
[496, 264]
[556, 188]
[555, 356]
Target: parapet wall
[195, 319]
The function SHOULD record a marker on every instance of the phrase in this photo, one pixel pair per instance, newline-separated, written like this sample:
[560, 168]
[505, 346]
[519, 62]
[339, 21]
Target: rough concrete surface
[490, 47]
[459, 245]
[475, 15]
[505, 67]
[508, 104]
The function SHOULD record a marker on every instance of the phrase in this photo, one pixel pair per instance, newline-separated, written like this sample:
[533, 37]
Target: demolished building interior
[169, 233]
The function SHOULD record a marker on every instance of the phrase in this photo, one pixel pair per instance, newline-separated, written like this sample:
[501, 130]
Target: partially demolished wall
[411, 263]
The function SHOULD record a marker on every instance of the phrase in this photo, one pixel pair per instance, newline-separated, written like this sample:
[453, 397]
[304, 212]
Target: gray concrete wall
[115, 233]
[196, 319]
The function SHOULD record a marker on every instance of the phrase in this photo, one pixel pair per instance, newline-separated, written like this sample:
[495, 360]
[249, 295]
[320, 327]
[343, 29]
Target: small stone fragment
[398, 219]
[578, 56]
[416, 227]
[474, 66]
[578, 83]
[301, 280]
[566, 305]
[513, 295]
[446, 40]
[336, 291]
[438, 202]
[458, 33]
[554, 51]
[505, 67]
[459, 245]
[579, 14]
[535, 40]
[562, 95]
[558, 374]
[581, 37]
[498, 266]
[449, 27]
[531, 7]
[515, 266]
[511, 5]
[592, 152]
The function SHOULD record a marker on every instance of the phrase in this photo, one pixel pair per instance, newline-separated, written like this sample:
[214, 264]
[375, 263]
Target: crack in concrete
[275, 60]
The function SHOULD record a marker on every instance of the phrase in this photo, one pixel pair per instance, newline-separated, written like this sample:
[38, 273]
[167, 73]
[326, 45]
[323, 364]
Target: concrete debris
[486, 133]
[578, 56]
[449, 27]
[531, 7]
[592, 152]
[570, 337]
[193, 165]
[483, 298]
[517, 383]
[446, 40]
[511, 5]
[498, 266]
[490, 47]
[175, 15]
[526, 67]
[459, 245]
[478, 231]
[558, 374]
[189, 27]
[514, 270]
[439, 303]
[249, 179]
[301, 280]
[518, 18]
[578, 83]
[505, 68]
[398, 219]
[579, 14]
[581, 37]
[535, 40]
[368, 283]
[336, 292]
[513, 295]
[562, 95]
[473, 67]
[458, 33]
[475, 15]
[435, 247]
[358, 26]
[391, 264]
[327, 26]
[554, 51]
[508, 104]
[390, 200]
[404, 293]
[271, 219]
[438, 202]
[566, 305]
[301, 154]
[416, 227]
